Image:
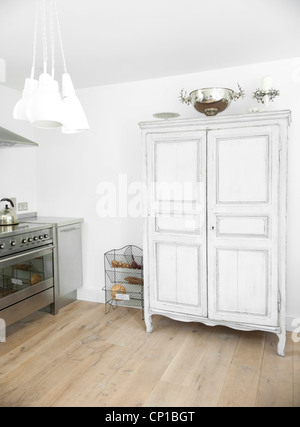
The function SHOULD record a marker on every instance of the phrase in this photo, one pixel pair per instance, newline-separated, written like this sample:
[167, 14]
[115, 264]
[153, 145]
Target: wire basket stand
[124, 284]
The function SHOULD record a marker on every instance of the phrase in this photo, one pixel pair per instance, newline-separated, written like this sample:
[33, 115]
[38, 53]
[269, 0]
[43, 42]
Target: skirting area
[82, 357]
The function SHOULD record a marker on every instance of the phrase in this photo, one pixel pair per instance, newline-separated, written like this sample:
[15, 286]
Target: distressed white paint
[178, 223]
[243, 180]
[238, 226]
[231, 270]
[177, 245]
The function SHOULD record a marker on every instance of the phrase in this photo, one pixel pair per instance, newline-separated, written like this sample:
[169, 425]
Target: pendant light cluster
[42, 104]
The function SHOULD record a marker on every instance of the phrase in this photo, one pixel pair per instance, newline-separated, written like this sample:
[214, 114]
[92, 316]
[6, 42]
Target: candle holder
[265, 96]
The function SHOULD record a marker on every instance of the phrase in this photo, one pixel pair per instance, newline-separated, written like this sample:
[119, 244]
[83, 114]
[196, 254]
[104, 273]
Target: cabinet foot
[149, 324]
[281, 343]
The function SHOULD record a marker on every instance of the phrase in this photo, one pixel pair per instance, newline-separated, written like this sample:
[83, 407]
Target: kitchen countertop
[54, 221]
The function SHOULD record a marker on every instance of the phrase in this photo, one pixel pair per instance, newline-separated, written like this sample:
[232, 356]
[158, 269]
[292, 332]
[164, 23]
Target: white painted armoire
[215, 220]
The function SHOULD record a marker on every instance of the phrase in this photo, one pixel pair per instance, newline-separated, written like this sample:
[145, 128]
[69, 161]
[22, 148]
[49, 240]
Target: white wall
[17, 165]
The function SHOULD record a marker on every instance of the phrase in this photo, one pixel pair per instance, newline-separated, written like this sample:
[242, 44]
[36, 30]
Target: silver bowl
[211, 100]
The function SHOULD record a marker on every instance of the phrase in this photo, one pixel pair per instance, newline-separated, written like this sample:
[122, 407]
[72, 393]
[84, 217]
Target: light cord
[52, 37]
[45, 51]
[35, 40]
[60, 38]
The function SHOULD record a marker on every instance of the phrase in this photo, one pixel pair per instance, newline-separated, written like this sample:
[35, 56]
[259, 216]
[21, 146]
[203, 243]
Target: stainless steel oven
[26, 270]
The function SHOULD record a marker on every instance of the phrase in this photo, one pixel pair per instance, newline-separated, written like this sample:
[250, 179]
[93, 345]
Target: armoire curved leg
[148, 322]
[281, 343]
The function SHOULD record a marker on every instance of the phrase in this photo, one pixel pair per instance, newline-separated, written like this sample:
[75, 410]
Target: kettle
[8, 215]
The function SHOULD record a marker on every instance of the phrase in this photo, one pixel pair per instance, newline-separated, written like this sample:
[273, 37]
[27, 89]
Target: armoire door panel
[242, 283]
[179, 278]
[176, 170]
[242, 226]
[179, 223]
[165, 256]
[177, 173]
[243, 170]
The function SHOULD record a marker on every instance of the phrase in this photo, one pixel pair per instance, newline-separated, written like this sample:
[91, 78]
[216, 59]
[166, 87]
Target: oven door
[26, 283]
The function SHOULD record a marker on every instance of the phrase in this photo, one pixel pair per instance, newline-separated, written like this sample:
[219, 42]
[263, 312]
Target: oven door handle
[26, 255]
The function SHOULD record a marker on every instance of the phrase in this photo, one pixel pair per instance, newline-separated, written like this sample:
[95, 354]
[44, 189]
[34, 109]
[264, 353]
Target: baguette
[24, 267]
[134, 280]
[35, 278]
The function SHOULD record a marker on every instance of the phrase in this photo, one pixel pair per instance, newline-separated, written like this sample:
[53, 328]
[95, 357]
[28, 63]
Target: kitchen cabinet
[69, 263]
[67, 238]
[215, 227]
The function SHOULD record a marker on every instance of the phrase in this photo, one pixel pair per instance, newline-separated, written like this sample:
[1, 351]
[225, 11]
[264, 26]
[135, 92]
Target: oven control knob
[2, 246]
[40, 237]
[13, 243]
[46, 236]
[35, 238]
[24, 240]
[30, 239]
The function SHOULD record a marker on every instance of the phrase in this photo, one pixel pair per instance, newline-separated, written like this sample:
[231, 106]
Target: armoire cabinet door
[243, 180]
[176, 224]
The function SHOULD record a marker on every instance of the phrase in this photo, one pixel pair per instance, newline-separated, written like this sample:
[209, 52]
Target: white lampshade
[75, 119]
[20, 110]
[46, 109]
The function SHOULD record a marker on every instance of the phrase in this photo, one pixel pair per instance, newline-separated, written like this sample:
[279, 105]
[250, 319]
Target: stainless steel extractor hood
[9, 139]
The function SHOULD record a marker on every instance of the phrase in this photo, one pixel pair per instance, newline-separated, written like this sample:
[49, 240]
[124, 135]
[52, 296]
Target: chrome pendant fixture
[42, 104]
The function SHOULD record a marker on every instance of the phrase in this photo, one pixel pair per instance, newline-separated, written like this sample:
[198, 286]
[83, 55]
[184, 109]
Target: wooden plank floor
[82, 357]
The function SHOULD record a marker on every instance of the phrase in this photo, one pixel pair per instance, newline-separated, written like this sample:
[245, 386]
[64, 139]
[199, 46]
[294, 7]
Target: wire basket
[124, 284]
